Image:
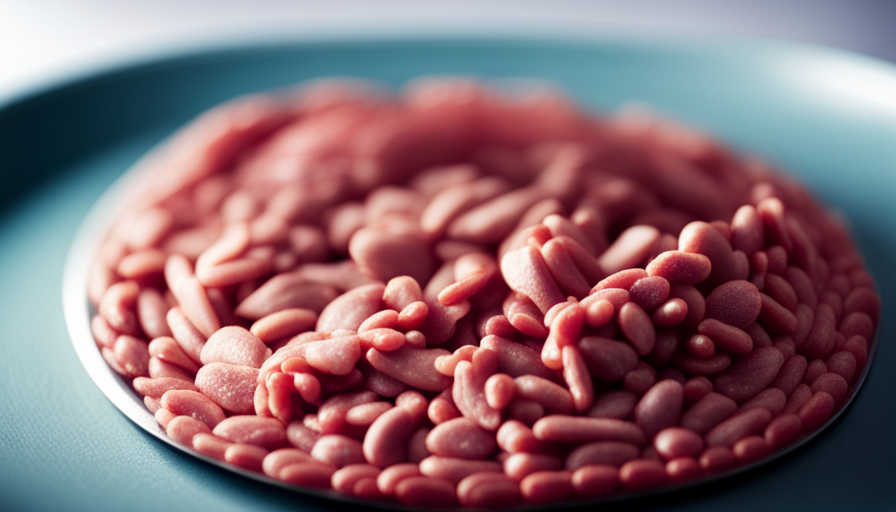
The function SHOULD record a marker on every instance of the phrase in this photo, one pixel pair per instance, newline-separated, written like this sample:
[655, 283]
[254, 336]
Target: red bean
[546, 486]
[675, 442]
[660, 407]
[637, 327]
[738, 427]
[680, 267]
[783, 430]
[454, 470]
[750, 374]
[595, 481]
[642, 474]
[488, 490]
[571, 429]
[461, 438]
[708, 412]
[735, 303]
[608, 453]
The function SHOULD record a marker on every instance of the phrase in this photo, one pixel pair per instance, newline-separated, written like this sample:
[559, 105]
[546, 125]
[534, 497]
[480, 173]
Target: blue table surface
[64, 446]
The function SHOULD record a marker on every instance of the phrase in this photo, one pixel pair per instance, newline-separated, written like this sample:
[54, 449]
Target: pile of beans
[461, 296]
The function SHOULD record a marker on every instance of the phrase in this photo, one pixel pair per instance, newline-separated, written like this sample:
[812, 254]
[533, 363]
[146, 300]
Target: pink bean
[783, 430]
[726, 337]
[278, 459]
[345, 478]
[525, 271]
[168, 350]
[384, 442]
[747, 232]
[716, 459]
[411, 366]
[641, 474]
[750, 374]
[390, 477]
[488, 490]
[264, 432]
[674, 442]
[751, 448]
[337, 450]
[771, 399]
[629, 249]
[287, 322]
[572, 429]
[708, 412]
[234, 345]
[365, 414]
[515, 359]
[546, 486]
[192, 403]
[499, 390]
[518, 465]
[595, 481]
[308, 474]
[616, 404]
[245, 456]
[230, 386]
[682, 469]
[454, 470]
[680, 267]
[132, 355]
[738, 427]
[553, 397]
[736, 303]
[608, 453]
[660, 407]
[183, 428]
[637, 327]
[460, 438]
[832, 384]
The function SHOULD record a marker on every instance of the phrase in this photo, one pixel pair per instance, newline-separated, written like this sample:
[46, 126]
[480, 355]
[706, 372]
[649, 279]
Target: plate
[790, 104]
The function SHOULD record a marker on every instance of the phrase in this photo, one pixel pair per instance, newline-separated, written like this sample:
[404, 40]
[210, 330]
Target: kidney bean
[750, 374]
[675, 442]
[629, 249]
[469, 390]
[337, 450]
[572, 429]
[640, 379]
[314, 474]
[460, 438]
[454, 470]
[708, 412]
[234, 345]
[783, 430]
[384, 441]
[230, 386]
[546, 486]
[519, 465]
[771, 399]
[682, 469]
[264, 432]
[637, 327]
[609, 453]
[832, 384]
[727, 337]
[680, 267]
[814, 370]
[285, 291]
[642, 474]
[595, 481]
[736, 303]
[738, 427]
[660, 407]
[696, 304]
[488, 490]
[607, 359]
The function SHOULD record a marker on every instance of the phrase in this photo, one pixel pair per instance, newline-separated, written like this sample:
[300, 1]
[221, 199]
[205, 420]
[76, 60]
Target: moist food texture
[462, 296]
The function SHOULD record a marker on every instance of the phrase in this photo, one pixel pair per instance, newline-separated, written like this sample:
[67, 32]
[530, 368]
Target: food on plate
[460, 295]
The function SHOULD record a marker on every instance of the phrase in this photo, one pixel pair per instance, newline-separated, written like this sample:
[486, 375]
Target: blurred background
[46, 40]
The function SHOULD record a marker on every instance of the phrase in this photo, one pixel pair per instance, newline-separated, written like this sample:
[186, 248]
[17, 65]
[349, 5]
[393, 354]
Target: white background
[47, 40]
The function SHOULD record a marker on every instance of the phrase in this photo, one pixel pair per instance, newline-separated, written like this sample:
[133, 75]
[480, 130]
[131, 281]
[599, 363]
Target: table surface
[63, 446]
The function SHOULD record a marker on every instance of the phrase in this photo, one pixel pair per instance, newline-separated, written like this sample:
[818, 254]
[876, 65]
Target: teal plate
[826, 116]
